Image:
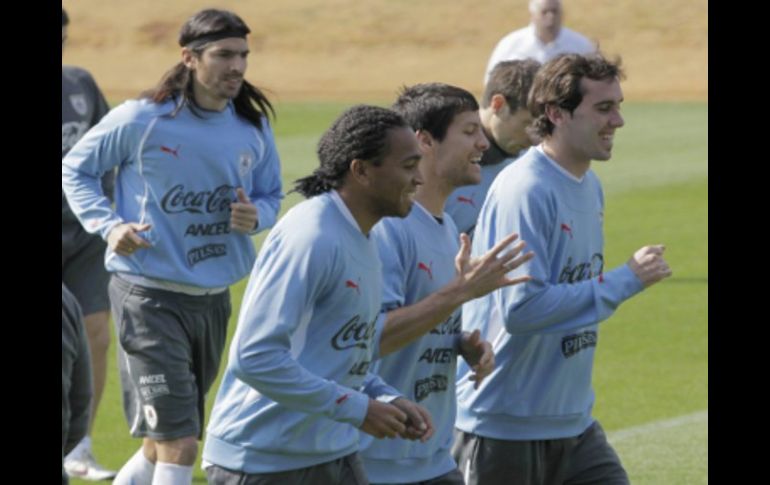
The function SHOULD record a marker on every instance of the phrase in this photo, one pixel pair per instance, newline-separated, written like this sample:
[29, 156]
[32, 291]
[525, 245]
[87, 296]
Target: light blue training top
[178, 174]
[297, 385]
[544, 332]
[418, 255]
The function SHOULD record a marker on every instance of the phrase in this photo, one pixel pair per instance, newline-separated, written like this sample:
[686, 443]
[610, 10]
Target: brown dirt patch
[365, 50]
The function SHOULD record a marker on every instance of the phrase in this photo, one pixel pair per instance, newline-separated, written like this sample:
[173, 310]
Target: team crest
[245, 162]
[79, 103]
[150, 415]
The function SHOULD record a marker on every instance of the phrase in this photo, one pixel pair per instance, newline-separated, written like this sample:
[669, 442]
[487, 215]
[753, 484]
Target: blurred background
[360, 50]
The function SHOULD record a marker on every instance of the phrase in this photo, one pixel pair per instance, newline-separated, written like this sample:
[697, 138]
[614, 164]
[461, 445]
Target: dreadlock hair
[431, 107]
[361, 132]
[558, 83]
[197, 33]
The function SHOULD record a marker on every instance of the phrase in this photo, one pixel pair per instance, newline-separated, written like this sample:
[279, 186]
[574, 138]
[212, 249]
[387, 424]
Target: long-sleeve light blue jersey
[544, 332]
[417, 256]
[464, 204]
[296, 384]
[179, 174]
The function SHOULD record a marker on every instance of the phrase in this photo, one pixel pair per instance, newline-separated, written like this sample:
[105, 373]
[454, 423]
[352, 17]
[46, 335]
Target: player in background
[82, 253]
[504, 120]
[199, 175]
[542, 40]
[427, 276]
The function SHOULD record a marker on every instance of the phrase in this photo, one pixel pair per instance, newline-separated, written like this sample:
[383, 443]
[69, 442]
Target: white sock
[138, 470]
[172, 474]
[84, 444]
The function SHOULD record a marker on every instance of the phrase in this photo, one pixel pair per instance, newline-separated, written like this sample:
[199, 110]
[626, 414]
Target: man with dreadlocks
[297, 385]
[198, 174]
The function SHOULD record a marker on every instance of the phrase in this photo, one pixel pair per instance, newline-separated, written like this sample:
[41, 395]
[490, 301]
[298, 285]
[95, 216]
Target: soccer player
[530, 421]
[504, 119]
[419, 332]
[199, 174]
[297, 383]
[76, 385]
[82, 254]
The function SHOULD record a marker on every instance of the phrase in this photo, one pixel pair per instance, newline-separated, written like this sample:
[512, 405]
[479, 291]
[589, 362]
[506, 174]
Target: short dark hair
[558, 83]
[512, 80]
[208, 26]
[431, 107]
[361, 132]
[65, 19]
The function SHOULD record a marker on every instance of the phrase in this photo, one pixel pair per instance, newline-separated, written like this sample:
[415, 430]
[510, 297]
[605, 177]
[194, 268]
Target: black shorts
[586, 459]
[348, 470]
[82, 268]
[170, 347]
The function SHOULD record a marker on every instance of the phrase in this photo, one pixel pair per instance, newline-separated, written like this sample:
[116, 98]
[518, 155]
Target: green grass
[671, 452]
[652, 361]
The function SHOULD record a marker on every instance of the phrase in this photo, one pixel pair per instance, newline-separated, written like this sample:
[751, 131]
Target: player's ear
[189, 58]
[359, 170]
[497, 103]
[425, 140]
[555, 114]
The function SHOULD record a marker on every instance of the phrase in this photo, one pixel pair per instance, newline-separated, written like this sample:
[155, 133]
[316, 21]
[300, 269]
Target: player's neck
[208, 101]
[433, 196]
[360, 208]
[566, 158]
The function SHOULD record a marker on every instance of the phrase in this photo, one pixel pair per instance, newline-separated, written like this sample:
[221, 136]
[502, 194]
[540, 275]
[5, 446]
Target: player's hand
[478, 354]
[648, 264]
[125, 240]
[383, 420]
[419, 424]
[487, 273]
[243, 214]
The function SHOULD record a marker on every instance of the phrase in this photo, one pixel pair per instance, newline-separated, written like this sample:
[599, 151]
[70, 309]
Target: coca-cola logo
[177, 200]
[354, 333]
[582, 271]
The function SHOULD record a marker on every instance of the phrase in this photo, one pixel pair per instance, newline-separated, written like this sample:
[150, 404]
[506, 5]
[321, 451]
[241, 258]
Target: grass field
[651, 374]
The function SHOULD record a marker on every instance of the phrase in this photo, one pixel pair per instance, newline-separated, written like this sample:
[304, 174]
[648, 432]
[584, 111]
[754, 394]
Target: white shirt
[524, 44]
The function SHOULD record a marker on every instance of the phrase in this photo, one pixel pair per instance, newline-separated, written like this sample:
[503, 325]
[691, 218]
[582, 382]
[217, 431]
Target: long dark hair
[202, 28]
[361, 133]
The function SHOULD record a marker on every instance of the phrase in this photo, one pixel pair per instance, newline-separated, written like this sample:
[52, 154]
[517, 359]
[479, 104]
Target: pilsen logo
[423, 387]
[354, 333]
[177, 200]
[582, 271]
[202, 253]
[572, 344]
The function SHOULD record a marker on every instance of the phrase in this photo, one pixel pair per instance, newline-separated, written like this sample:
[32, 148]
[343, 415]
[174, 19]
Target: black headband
[205, 39]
